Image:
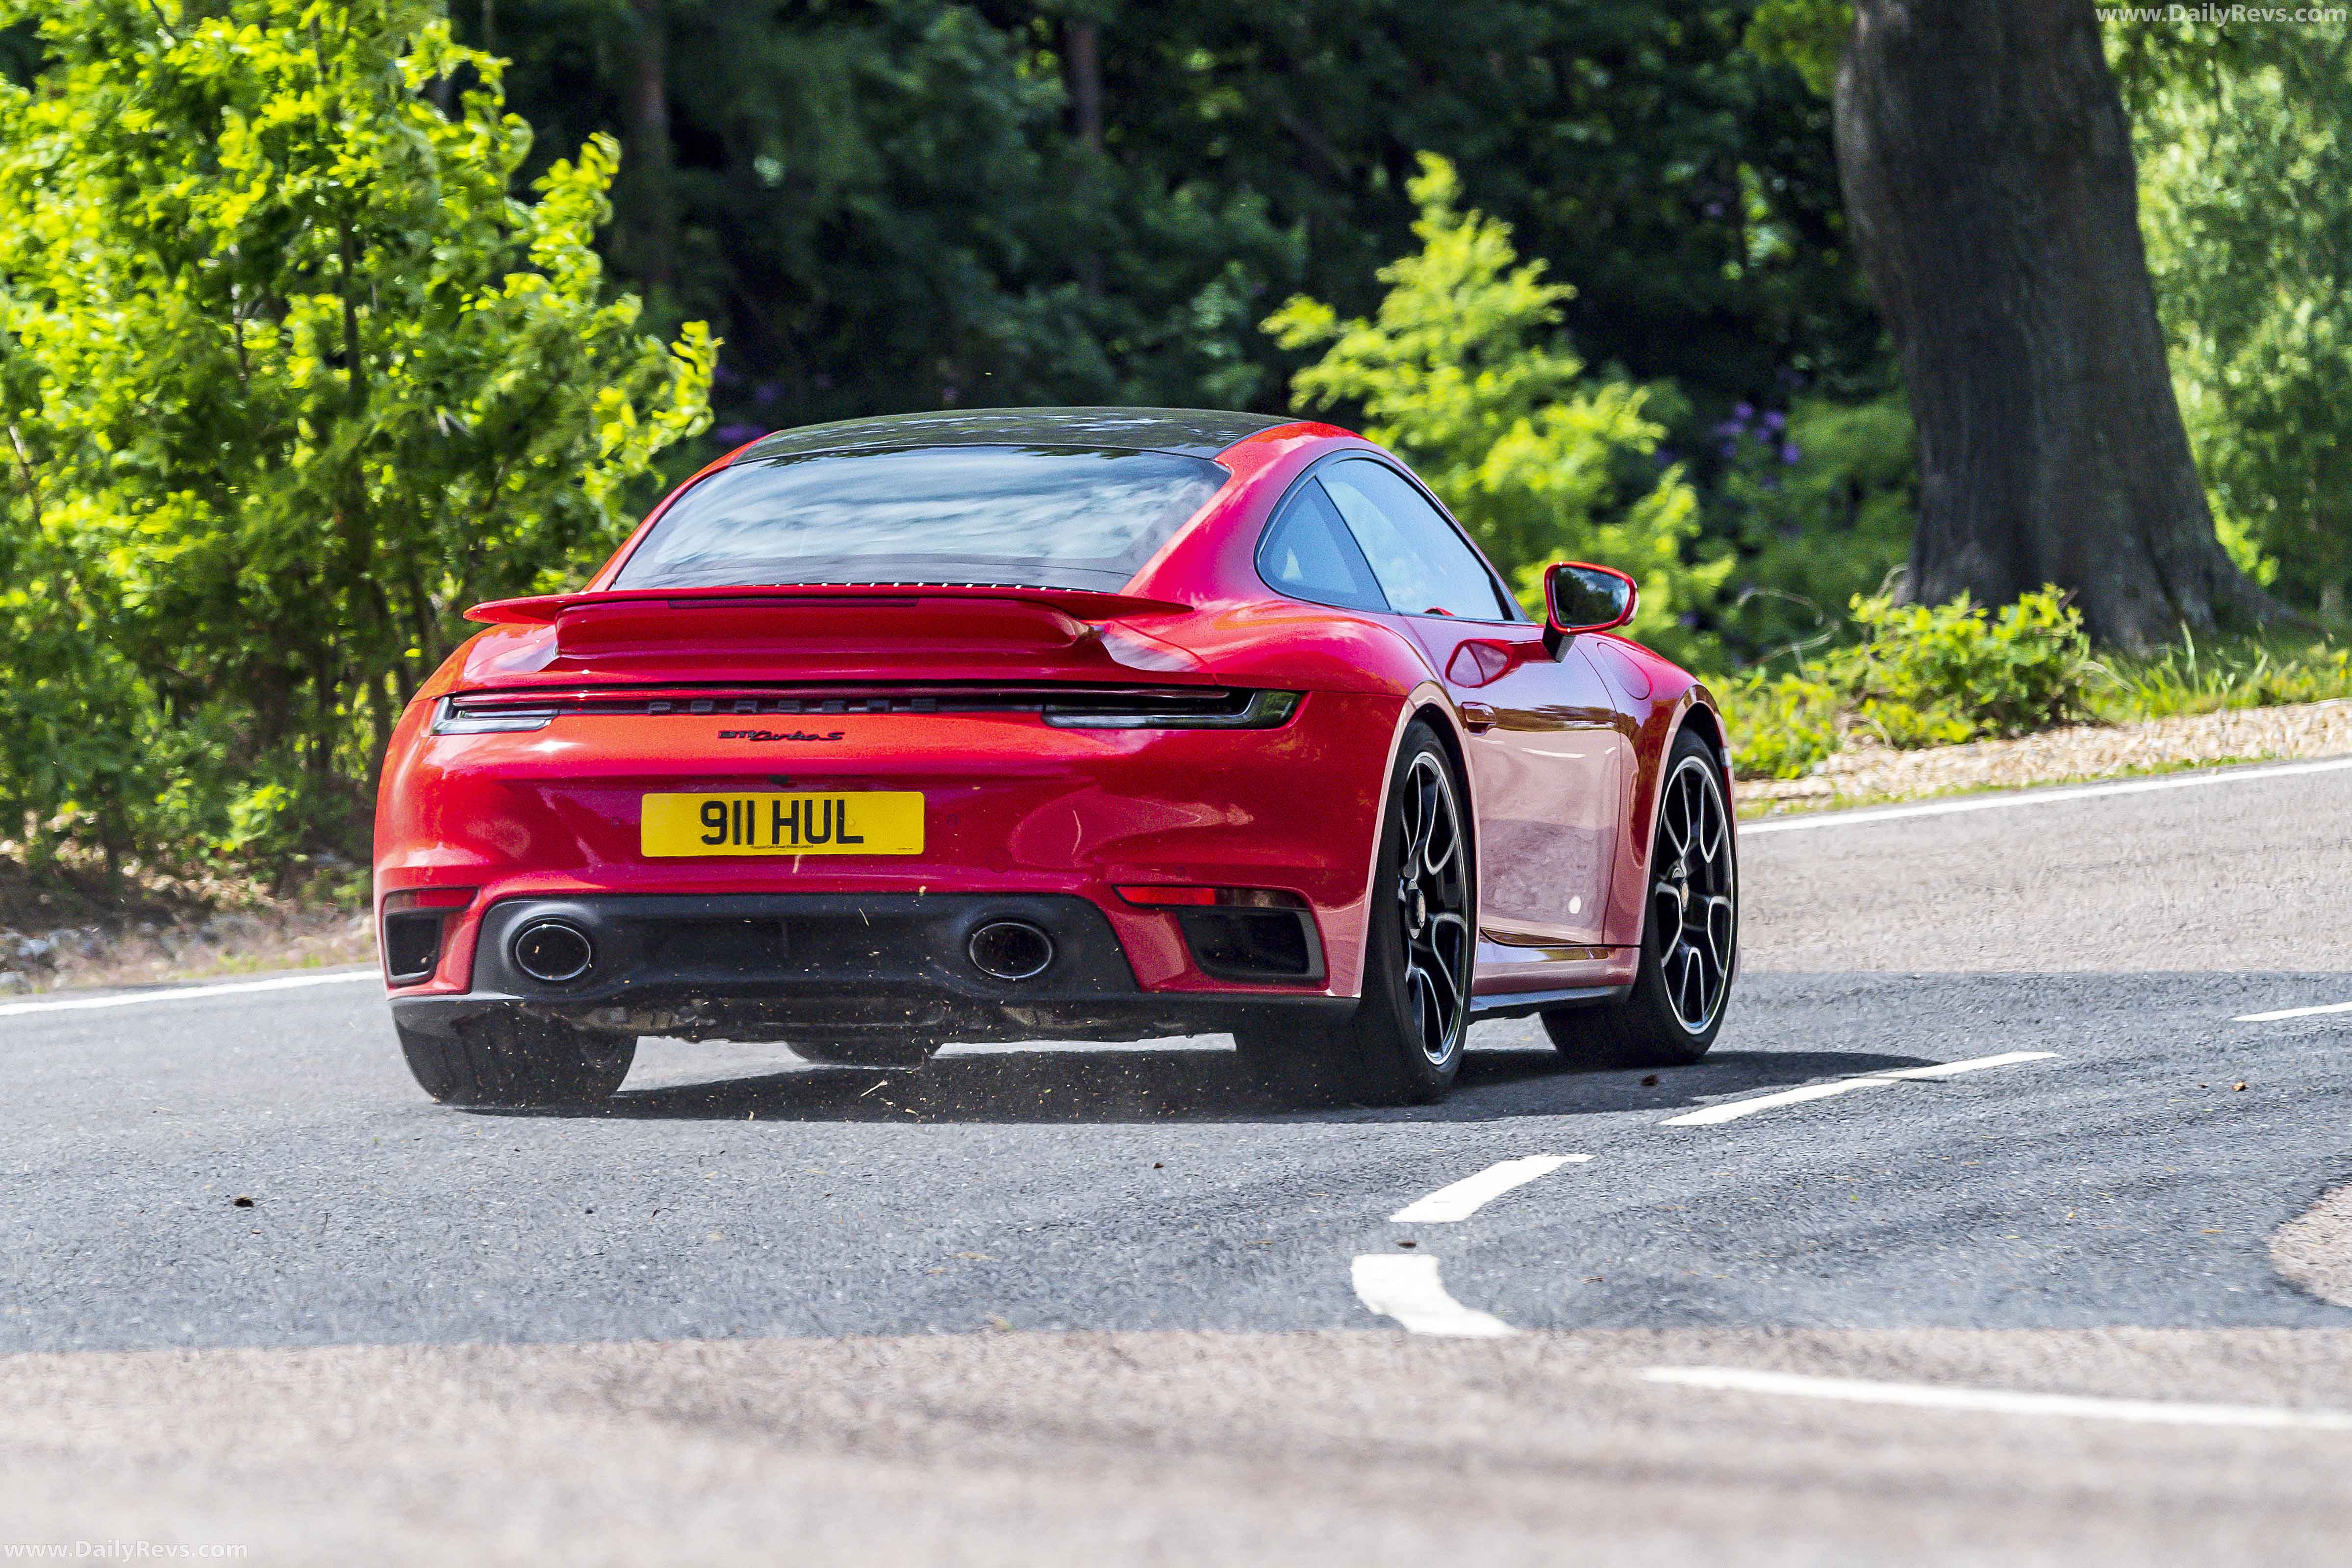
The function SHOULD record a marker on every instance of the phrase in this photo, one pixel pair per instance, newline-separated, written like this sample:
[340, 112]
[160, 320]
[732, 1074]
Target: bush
[2249, 674]
[1919, 675]
[292, 371]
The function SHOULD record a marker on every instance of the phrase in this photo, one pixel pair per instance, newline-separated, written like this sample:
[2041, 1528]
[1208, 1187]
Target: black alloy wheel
[1433, 898]
[1690, 939]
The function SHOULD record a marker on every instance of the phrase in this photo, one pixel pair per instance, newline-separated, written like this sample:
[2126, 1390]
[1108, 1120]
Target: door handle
[1477, 718]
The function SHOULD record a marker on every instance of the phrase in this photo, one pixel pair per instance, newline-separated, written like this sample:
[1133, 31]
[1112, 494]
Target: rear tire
[1403, 1044]
[1690, 932]
[518, 1062]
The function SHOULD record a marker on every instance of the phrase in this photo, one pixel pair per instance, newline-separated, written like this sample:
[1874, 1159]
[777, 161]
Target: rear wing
[1078, 603]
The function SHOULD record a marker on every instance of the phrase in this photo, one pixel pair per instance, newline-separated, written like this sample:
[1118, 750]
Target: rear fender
[1658, 697]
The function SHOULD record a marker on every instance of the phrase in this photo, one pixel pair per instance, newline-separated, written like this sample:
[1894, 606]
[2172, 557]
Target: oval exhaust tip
[1010, 950]
[553, 952]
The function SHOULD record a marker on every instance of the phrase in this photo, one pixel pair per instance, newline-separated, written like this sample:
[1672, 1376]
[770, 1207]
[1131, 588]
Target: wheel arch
[1426, 701]
[1693, 709]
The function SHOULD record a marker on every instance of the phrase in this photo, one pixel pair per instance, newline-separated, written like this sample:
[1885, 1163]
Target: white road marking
[2293, 1012]
[1408, 1289]
[1973, 1064]
[193, 993]
[1463, 1198]
[1732, 1111]
[2037, 797]
[1997, 1402]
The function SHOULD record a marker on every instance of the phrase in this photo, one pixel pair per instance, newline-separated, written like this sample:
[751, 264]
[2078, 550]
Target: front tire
[519, 1062]
[1690, 932]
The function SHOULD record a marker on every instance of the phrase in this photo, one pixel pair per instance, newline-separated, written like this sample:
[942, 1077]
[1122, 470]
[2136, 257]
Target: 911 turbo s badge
[777, 735]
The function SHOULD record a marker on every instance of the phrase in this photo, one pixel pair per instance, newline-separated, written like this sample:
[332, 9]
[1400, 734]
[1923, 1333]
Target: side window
[1308, 554]
[1421, 562]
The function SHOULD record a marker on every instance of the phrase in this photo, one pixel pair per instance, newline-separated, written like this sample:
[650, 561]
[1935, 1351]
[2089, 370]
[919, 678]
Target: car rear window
[1044, 516]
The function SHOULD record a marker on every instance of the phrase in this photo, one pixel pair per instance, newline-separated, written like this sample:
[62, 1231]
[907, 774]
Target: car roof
[1193, 432]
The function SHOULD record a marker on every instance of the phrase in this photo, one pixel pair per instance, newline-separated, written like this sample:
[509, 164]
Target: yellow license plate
[867, 822]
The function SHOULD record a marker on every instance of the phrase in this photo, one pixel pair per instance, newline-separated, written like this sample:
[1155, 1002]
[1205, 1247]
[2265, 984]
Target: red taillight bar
[427, 898]
[1157, 897]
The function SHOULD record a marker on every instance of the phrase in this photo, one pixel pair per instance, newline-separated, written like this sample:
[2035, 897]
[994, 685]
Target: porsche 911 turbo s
[1037, 724]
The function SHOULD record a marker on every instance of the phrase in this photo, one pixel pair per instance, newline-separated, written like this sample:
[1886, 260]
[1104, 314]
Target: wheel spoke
[1692, 910]
[1434, 905]
[1673, 820]
[1666, 913]
[1444, 845]
[1445, 975]
[1710, 845]
[1450, 944]
[1715, 925]
[1426, 1013]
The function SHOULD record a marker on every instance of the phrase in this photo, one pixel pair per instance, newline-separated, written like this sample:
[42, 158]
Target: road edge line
[190, 992]
[2044, 796]
[1995, 1401]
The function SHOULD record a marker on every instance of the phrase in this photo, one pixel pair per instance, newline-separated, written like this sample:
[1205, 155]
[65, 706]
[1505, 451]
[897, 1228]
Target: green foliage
[1781, 725]
[2244, 139]
[890, 205]
[1919, 675]
[291, 376]
[1463, 373]
[1928, 675]
[2238, 674]
[1821, 505]
[1809, 35]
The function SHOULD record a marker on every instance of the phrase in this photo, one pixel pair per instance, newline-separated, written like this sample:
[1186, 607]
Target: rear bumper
[1014, 808]
[832, 967]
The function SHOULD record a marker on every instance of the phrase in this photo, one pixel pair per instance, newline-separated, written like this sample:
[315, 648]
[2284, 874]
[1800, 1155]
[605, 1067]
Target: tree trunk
[1082, 79]
[1987, 173]
[647, 167]
[1082, 57]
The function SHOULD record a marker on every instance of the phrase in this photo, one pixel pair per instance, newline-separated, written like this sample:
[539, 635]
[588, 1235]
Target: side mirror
[1581, 598]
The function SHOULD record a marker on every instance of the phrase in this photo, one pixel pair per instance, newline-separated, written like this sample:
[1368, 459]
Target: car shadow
[1048, 1085]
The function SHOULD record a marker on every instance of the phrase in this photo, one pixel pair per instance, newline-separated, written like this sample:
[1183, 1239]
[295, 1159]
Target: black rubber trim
[1227, 943]
[780, 966]
[1151, 1015]
[1519, 1003]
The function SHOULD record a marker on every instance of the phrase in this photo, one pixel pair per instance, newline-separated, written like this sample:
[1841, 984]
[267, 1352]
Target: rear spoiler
[1080, 604]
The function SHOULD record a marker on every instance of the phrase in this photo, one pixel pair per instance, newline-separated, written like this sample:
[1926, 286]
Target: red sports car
[1083, 723]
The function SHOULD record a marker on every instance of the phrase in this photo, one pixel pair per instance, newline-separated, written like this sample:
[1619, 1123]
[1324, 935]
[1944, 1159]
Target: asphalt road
[1059, 1305]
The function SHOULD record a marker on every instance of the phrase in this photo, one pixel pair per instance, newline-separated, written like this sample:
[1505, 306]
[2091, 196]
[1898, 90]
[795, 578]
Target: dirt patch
[2315, 1251]
[1875, 772]
[71, 926]
[149, 951]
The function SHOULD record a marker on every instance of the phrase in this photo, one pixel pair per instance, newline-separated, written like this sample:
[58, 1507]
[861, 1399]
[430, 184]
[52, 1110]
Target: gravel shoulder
[2315, 1251]
[1869, 774]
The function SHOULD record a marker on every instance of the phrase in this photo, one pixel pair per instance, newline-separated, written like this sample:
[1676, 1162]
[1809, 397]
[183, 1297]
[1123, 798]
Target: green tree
[1463, 371]
[292, 375]
[897, 204]
[2245, 137]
